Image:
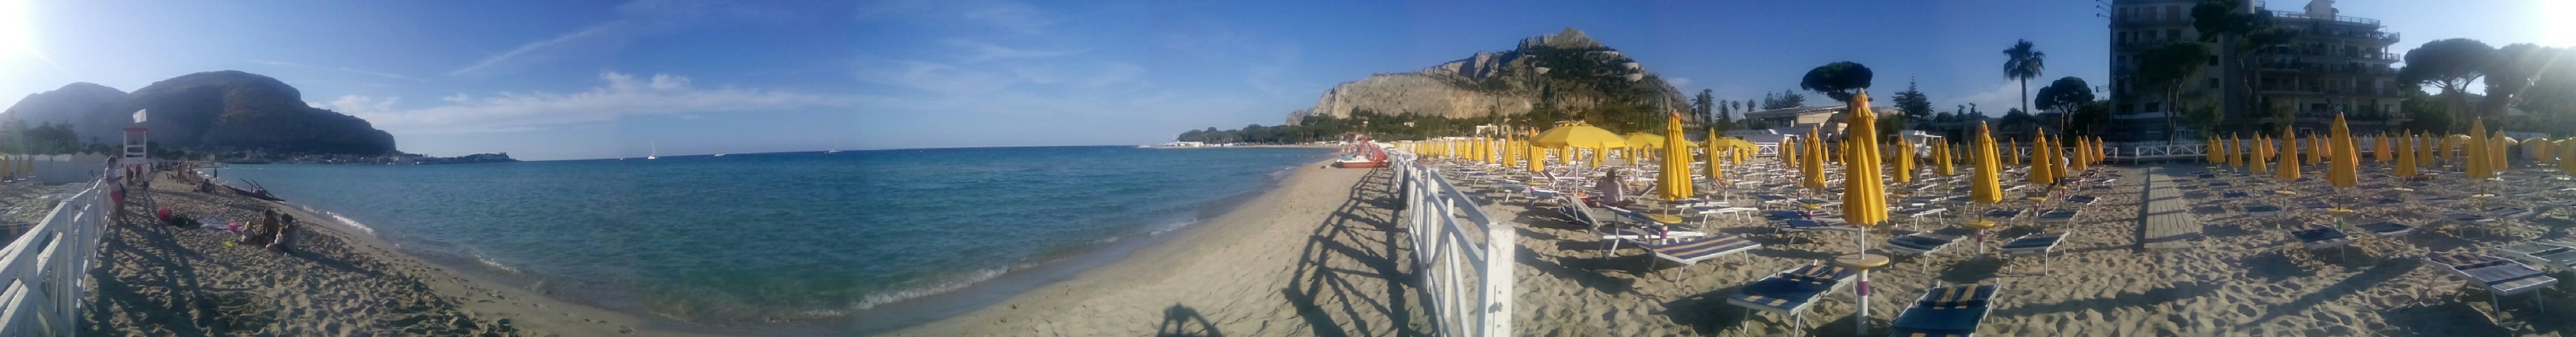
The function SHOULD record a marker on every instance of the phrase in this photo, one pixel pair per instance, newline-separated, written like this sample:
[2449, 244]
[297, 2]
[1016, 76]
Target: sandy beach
[159, 280]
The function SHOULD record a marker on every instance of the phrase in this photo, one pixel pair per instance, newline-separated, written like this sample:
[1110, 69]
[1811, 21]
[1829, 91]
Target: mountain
[208, 110]
[1565, 75]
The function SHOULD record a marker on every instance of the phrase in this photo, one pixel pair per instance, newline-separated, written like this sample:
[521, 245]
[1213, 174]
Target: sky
[572, 79]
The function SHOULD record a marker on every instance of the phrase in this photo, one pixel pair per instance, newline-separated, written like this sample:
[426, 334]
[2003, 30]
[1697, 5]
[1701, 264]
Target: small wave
[495, 264]
[960, 282]
[344, 220]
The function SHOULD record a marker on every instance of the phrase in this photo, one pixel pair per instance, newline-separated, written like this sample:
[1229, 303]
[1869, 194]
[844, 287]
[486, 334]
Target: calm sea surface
[798, 235]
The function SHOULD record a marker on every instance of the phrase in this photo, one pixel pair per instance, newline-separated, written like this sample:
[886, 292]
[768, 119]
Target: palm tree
[2023, 62]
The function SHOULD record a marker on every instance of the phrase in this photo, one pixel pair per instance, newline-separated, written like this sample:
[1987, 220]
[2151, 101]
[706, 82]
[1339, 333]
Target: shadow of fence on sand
[1335, 300]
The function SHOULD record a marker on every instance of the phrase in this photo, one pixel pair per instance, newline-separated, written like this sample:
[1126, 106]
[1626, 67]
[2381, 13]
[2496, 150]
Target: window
[2173, 34]
[2154, 107]
[2213, 60]
[2213, 83]
[2173, 13]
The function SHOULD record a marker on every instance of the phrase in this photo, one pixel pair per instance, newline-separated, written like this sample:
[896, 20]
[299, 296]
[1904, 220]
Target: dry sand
[159, 280]
[1315, 257]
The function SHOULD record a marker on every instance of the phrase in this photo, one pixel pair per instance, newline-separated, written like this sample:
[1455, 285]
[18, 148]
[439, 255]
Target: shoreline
[467, 274]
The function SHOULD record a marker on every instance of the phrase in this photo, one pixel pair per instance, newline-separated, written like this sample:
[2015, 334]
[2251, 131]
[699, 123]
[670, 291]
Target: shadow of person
[1182, 321]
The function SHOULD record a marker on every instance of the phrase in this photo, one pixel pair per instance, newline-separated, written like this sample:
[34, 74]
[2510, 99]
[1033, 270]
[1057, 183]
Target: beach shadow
[1182, 321]
[1707, 312]
[1357, 241]
[2149, 298]
[2364, 280]
[2441, 317]
[2218, 230]
[1973, 270]
[2275, 265]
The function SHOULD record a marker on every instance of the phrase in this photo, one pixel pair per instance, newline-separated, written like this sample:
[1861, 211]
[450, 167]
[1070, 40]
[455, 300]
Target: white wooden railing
[1464, 258]
[43, 269]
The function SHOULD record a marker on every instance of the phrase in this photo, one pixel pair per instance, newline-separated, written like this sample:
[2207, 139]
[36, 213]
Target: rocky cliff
[1567, 72]
[208, 110]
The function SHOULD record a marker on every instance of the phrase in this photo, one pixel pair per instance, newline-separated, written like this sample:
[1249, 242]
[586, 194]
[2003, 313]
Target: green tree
[2023, 62]
[1704, 106]
[2513, 70]
[2089, 118]
[2064, 94]
[2166, 69]
[1836, 80]
[1783, 100]
[2448, 64]
[1913, 102]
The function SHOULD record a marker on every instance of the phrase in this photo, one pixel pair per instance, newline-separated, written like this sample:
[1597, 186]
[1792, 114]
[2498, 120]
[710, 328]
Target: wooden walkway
[2166, 222]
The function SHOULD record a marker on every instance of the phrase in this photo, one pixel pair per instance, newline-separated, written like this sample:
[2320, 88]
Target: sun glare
[2555, 27]
[17, 37]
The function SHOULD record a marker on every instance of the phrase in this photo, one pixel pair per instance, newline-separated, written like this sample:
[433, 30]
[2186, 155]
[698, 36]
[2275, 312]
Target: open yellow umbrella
[2344, 172]
[1580, 135]
[1673, 181]
[2289, 170]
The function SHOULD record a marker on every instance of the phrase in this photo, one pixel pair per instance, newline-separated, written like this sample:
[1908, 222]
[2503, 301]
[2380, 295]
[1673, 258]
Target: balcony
[2326, 68]
[2338, 18]
[2149, 43]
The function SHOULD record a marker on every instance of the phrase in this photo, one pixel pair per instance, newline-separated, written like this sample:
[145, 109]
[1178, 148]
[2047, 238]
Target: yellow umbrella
[2011, 152]
[2477, 152]
[2040, 171]
[2567, 156]
[2084, 153]
[2345, 170]
[1941, 154]
[1904, 160]
[2228, 152]
[1716, 175]
[2496, 153]
[1986, 185]
[2262, 152]
[2214, 150]
[1789, 149]
[2444, 149]
[2405, 156]
[2289, 169]
[1673, 181]
[2423, 148]
[1864, 198]
[1813, 166]
[2380, 148]
[1537, 156]
[1582, 136]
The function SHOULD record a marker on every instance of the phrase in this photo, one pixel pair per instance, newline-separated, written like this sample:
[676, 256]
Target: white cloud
[635, 20]
[619, 96]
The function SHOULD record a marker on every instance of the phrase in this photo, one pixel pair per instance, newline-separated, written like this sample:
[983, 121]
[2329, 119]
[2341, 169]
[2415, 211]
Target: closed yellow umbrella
[1716, 175]
[1904, 156]
[2406, 156]
[2214, 150]
[2011, 152]
[2289, 169]
[1673, 180]
[2496, 145]
[2380, 148]
[2476, 150]
[1537, 156]
[1790, 148]
[2262, 149]
[2424, 150]
[2228, 152]
[2567, 157]
[1812, 167]
[1941, 154]
[2083, 154]
[1987, 186]
[2444, 149]
[2040, 171]
[1864, 197]
[2344, 172]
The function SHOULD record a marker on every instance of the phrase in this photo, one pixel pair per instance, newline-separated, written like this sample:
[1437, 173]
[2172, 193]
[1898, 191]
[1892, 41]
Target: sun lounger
[1920, 243]
[1691, 251]
[2499, 276]
[2466, 218]
[1919, 212]
[1793, 290]
[2505, 212]
[1948, 311]
[2219, 184]
[2003, 214]
[2438, 200]
[2061, 215]
[2082, 199]
[2033, 244]
[2262, 210]
[1817, 225]
[2232, 195]
[2542, 254]
[2385, 228]
[2317, 236]
[2386, 201]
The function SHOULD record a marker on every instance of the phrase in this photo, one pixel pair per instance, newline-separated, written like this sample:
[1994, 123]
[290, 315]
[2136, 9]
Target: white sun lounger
[1920, 243]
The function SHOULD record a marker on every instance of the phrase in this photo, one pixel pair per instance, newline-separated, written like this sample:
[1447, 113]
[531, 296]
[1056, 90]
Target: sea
[781, 237]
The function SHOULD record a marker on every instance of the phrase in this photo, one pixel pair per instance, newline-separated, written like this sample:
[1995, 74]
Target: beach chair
[2232, 194]
[2262, 210]
[2001, 214]
[2082, 199]
[2499, 276]
[2061, 215]
[1946, 312]
[2385, 228]
[2035, 244]
[1920, 243]
[2319, 236]
[1792, 291]
[1688, 252]
[2541, 253]
[2508, 212]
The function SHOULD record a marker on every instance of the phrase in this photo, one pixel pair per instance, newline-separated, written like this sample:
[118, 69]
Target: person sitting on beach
[258, 233]
[284, 233]
[1613, 189]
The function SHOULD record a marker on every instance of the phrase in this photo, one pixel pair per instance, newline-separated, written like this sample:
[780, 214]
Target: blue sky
[561, 80]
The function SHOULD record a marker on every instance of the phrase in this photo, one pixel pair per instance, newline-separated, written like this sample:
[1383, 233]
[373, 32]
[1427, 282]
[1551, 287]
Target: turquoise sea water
[756, 237]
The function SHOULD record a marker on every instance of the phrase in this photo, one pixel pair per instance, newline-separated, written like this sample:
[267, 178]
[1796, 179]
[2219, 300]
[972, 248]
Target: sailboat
[655, 154]
[836, 148]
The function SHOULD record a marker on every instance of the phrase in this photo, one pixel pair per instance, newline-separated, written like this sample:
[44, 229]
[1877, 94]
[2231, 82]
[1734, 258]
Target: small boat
[719, 155]
[256, 192]
[836, 148]
[655, 153]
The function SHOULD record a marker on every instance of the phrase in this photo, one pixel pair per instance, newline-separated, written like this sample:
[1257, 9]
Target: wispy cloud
[346, 69]
[618, 96]
[635, 20]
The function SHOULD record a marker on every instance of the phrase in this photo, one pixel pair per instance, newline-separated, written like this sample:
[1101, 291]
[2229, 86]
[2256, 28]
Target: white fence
[43, 269]
[1464, 258]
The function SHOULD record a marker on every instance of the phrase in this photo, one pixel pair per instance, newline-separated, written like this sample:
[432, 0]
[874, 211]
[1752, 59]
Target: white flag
[138, 116]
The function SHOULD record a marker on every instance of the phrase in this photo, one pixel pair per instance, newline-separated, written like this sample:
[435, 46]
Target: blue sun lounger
[1946, 312]
[1920, 243]
[2316, 236]
[1689, 252]
[1792, 291]
[2499, 276]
